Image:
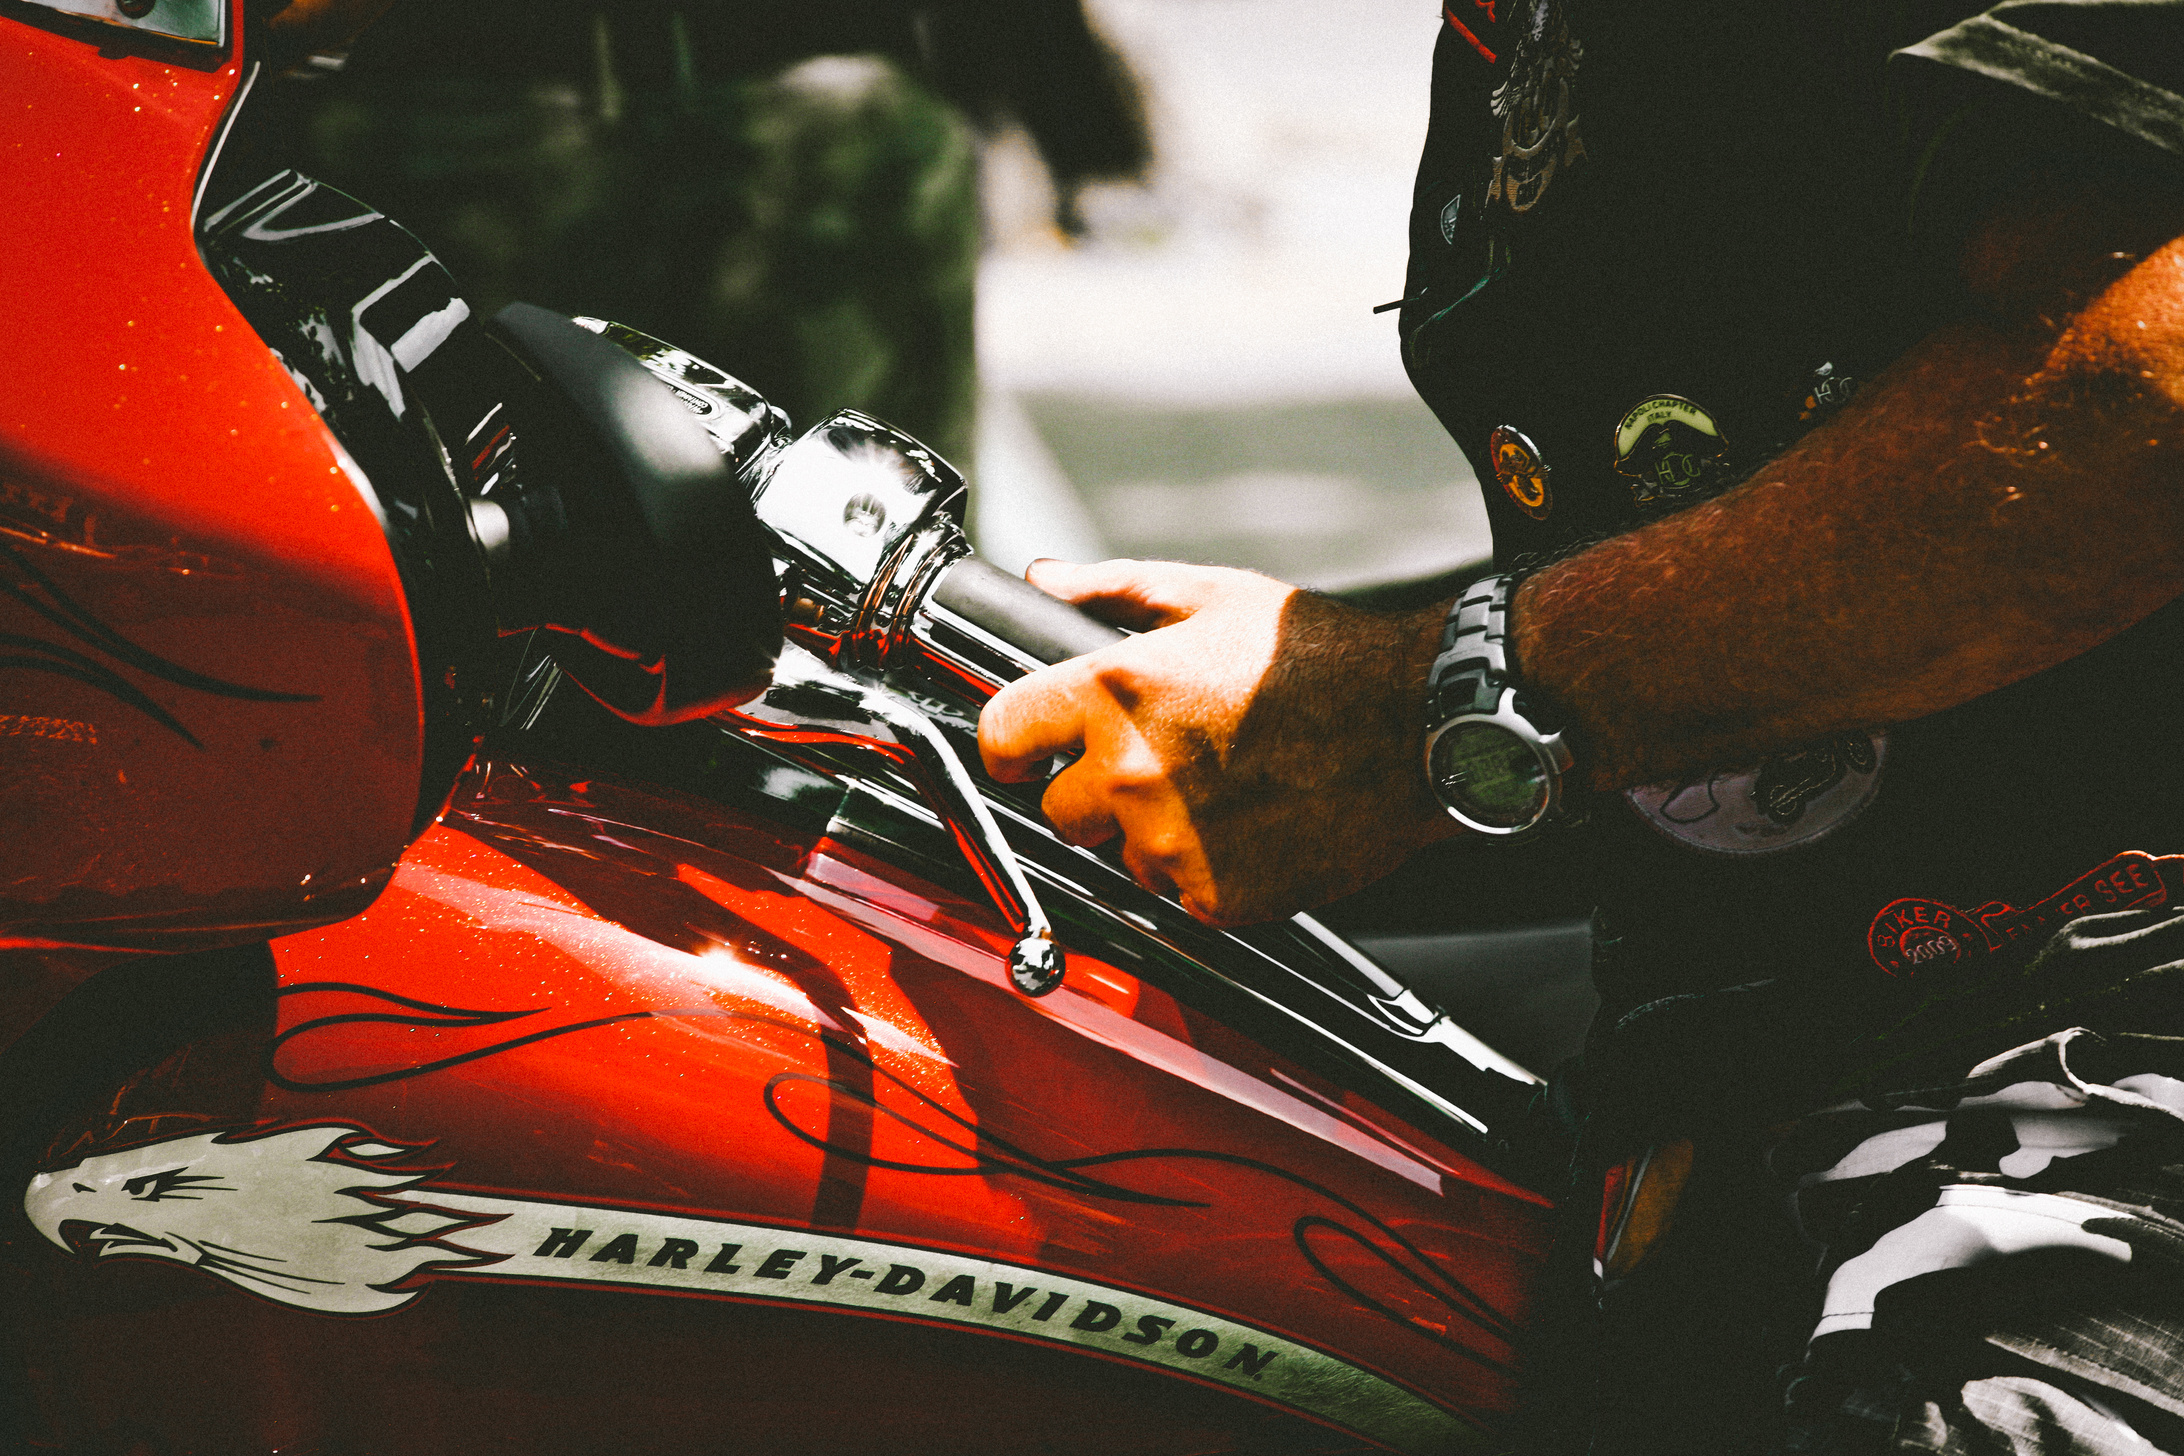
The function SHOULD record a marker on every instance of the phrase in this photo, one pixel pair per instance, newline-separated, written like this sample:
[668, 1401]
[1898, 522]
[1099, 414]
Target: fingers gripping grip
[1020, 614]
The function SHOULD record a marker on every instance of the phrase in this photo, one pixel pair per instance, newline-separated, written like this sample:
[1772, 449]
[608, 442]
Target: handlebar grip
[1018, 613]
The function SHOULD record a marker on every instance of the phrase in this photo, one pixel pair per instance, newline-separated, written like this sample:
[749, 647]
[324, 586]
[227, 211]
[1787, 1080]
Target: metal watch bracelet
[1472, 666]
[1472, 680]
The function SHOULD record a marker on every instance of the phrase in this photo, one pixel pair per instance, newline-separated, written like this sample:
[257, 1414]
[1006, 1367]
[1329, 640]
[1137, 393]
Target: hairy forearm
[2002, 499]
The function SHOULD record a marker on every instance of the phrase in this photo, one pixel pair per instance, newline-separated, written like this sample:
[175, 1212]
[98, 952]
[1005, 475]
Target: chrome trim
[810, 703]
[747, 427]
[866, 520]
[1407, 1015]
[1110, 903]
[804, 726]
[856, 506]
[201, 22]
[1104, 902]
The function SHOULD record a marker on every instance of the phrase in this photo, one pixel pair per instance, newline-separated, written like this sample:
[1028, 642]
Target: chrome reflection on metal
[1403, 1012]
[972, 660]
[1318, 986]
[812, 707]
[747, 427]
[810, 703]
[203, 22]
[869, 524]
[1035, 966]
[858, 504]
[868, 521]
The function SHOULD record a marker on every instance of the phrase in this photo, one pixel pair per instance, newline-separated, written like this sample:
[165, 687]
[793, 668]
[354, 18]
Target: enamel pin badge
[1668, 446]
[1785, 801]
[1522, 474]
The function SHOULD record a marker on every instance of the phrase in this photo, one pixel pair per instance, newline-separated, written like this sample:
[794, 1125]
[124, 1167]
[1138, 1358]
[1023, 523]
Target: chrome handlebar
[877, 576]
[867, 524]
[876, 572]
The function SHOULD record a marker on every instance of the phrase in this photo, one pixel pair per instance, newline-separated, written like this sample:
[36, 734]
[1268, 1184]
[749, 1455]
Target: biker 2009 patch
[1914, 933]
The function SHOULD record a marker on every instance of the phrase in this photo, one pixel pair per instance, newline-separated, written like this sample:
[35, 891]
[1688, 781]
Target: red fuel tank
[633, 1115]
[210, 722]
[625, 1121]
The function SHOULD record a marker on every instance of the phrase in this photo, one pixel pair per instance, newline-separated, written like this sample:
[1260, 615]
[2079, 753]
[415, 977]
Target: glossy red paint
[593, 993]
[179, 537]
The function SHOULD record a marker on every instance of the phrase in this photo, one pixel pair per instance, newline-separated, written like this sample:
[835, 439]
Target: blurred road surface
[1202, 377]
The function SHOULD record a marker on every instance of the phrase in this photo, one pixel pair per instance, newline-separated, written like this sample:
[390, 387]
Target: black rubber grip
[1018, 613]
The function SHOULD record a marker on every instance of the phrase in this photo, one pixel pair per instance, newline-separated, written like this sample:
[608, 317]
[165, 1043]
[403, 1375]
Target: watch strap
[1472, 667]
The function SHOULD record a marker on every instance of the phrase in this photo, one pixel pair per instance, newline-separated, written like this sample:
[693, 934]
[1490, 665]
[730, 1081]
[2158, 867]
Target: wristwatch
[1496, 759]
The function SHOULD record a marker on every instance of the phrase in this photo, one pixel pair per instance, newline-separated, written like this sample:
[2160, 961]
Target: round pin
[1522, 474]
[1785, 801]
[1668, 446]
[1827, 389]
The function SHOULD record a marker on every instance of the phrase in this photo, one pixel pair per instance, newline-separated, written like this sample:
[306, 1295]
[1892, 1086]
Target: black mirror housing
[631, 541]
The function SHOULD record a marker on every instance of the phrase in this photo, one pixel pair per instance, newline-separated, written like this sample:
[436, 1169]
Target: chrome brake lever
[1036, 962]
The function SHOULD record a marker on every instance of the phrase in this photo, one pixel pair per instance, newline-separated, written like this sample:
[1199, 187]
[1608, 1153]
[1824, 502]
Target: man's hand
[1257, 746]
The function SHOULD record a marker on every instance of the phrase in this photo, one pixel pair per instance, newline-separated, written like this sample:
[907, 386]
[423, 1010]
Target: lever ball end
[1036, 965]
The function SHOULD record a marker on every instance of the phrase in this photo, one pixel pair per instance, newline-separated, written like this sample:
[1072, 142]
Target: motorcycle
[526, 957]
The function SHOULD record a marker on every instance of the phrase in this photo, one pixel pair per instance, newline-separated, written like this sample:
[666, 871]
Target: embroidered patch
[1539, 121]
[1785, 801]
[1912, 933]
[1669, 446]
[1523, 475]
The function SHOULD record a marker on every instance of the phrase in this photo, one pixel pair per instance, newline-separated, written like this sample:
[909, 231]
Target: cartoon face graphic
[1520, 471]
[310, 1216]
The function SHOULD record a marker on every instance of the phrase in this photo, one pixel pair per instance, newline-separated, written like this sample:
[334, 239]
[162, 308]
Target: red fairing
[630, 1121]
[210, 724]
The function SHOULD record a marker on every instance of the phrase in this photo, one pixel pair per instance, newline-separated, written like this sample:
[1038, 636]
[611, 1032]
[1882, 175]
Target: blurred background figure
[1202, 366]
[788, 188]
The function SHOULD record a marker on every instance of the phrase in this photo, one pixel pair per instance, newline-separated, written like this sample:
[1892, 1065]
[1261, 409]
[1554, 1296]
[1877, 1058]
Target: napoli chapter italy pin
[1668, 445]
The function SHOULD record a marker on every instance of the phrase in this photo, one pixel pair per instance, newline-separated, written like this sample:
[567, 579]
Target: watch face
[1489, 775]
